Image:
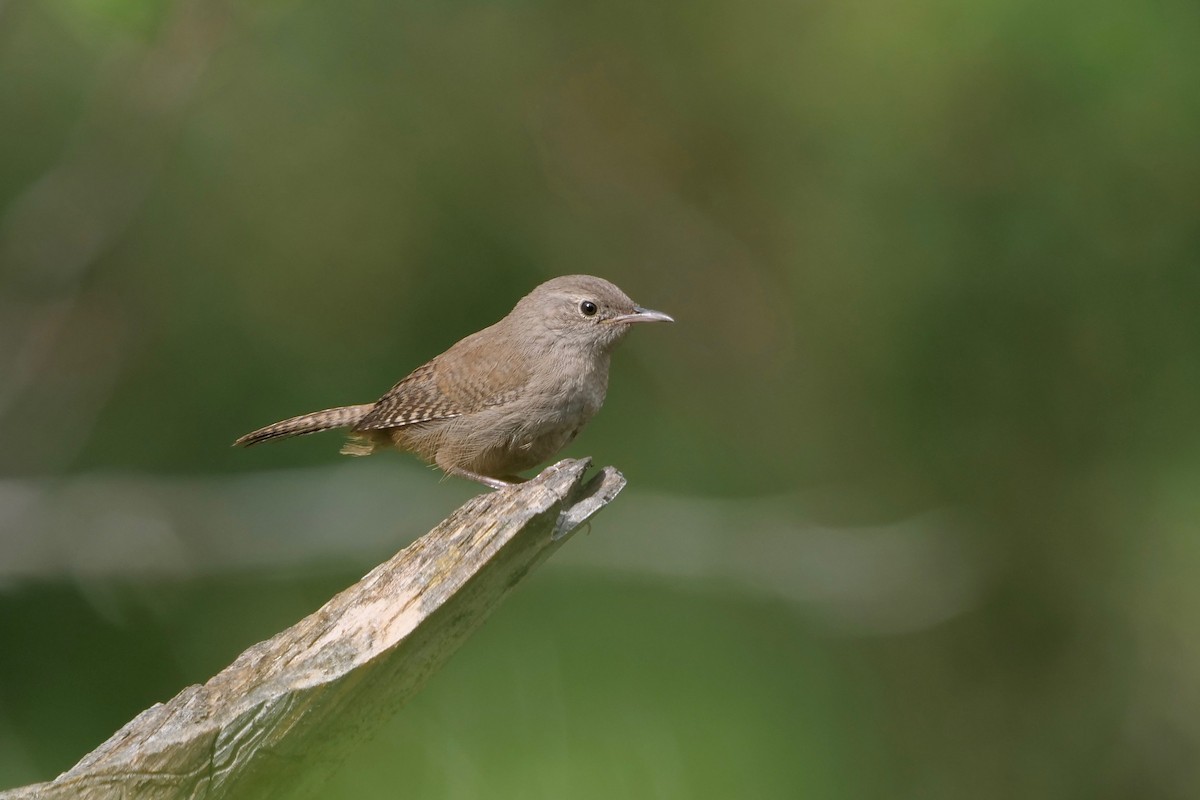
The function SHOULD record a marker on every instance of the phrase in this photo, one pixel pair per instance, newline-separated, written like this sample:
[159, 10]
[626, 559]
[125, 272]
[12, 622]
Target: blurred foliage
[946, 254]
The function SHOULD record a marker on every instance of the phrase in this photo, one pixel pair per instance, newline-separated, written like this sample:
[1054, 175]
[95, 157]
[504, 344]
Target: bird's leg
[494, 483]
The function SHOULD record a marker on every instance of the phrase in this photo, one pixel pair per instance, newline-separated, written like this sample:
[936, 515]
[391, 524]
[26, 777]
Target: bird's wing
[461, 381]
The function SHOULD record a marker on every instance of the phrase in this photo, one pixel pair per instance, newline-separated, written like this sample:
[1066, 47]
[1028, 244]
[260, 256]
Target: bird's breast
[575, 389]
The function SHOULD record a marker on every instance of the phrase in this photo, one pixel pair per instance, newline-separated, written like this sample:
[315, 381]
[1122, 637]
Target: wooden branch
[281, 717]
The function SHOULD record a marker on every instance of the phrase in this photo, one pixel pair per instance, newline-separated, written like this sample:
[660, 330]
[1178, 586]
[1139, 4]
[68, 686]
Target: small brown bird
[502, 400]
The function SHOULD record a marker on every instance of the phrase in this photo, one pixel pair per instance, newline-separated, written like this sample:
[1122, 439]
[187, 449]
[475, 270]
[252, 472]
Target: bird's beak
[644, 315]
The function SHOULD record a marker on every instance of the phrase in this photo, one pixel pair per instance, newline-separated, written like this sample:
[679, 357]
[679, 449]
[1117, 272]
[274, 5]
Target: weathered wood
[277, 721]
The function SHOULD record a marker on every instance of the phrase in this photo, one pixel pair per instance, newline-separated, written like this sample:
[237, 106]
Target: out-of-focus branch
[279, 719]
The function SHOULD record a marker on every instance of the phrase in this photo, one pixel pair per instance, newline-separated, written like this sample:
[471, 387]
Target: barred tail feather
[342, 417]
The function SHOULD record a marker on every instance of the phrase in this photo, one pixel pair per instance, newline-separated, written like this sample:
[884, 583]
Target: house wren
[502, 400]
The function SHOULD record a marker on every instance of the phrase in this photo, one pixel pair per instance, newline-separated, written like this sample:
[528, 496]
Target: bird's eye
[588, 308]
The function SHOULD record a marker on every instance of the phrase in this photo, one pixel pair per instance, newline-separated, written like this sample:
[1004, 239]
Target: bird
[502, 400]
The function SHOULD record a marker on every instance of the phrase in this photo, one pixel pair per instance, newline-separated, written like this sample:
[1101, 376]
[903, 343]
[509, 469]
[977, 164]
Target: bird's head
[582, 311]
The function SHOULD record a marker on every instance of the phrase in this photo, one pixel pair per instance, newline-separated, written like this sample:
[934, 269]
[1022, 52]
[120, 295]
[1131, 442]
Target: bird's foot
[494, 483]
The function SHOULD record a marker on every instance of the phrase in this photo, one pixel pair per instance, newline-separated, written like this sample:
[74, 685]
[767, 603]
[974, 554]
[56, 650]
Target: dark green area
[577, 687]
[939, 255]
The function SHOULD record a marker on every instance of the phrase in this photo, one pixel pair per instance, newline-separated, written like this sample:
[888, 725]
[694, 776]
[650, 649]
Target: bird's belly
[529, 447]
[536, 434]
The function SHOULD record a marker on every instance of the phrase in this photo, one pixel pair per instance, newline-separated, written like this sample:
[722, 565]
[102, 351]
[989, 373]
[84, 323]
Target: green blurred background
[913, 503]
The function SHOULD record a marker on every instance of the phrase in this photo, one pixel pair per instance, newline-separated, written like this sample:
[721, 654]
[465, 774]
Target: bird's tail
[342, 417]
